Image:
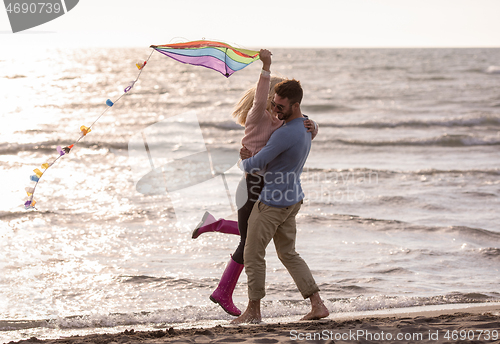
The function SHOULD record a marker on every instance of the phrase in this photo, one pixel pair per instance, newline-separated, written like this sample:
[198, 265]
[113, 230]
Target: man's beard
[285, 115]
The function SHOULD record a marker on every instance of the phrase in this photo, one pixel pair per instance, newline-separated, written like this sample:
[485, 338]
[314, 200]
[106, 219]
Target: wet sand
[469, 324]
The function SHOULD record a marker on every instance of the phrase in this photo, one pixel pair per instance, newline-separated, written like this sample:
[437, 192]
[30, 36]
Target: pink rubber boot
[223, 295]
[209, 224]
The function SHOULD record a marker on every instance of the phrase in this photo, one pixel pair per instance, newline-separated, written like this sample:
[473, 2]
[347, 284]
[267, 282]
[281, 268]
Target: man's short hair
[290, 89]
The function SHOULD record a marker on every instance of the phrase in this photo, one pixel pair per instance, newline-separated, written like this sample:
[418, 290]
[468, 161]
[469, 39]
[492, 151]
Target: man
[273, 216]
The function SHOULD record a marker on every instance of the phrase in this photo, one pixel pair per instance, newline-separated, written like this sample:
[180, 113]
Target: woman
[254, 112]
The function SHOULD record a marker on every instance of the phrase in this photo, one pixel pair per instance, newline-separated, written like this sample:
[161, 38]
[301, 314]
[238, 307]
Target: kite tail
[214, 55]
[30, 203]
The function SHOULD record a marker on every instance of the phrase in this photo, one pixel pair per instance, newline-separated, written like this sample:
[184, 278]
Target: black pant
[254, 185]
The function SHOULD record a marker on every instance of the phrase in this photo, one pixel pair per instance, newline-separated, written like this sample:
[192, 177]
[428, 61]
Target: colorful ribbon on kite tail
[215, 55]
[84, 130]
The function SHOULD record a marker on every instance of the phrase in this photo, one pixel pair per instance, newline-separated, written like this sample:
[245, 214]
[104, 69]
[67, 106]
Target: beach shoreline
[476, 323]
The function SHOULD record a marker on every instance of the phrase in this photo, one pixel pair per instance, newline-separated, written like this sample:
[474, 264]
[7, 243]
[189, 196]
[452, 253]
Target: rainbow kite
[214, 55]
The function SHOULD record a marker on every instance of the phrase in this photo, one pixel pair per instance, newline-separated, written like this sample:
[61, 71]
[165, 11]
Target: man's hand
[245, 153]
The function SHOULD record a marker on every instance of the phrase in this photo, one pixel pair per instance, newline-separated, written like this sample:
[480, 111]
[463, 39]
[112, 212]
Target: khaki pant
[266, 223]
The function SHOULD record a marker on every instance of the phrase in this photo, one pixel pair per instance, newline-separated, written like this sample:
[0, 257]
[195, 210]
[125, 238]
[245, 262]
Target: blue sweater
[283, 157]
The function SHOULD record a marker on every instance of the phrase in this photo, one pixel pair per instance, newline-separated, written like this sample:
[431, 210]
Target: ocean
[402, 186]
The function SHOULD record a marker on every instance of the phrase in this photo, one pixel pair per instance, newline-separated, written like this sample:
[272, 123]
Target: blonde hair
[245, 103]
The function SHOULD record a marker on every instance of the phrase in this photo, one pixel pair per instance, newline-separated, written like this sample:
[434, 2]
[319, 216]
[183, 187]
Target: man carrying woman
[254, 111]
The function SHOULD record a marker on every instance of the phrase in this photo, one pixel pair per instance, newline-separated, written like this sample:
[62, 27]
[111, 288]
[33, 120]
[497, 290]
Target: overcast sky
[269, 23]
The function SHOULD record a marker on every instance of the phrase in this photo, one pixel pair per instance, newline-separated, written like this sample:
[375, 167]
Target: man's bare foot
[318, 309]
[251, 314]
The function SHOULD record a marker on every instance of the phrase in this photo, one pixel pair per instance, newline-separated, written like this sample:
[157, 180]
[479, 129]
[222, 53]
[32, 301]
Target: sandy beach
[448, 324]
